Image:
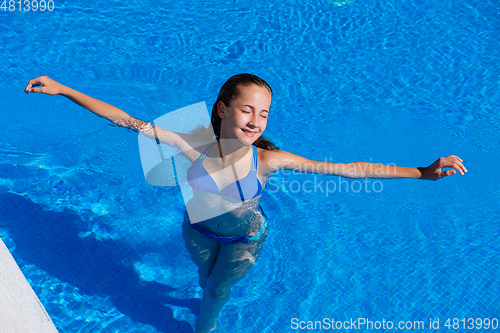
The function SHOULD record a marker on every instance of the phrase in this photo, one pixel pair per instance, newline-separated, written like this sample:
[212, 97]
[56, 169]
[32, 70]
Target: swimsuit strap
[253, 168]
[204, 154]
[255, 157]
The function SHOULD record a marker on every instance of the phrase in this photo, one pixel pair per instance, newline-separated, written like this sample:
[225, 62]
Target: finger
[31, 83]
[455, 166]
[454, 157]
[452, 172]
[454, 162]
[36, 90]
[458, 166]
[461, 168]
[449, 173]
[28, 86]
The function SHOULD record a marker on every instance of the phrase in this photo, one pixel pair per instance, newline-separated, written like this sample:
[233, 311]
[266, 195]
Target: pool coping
[20, 308]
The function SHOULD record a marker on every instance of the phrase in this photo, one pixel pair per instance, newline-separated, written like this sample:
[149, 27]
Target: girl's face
[245, 118]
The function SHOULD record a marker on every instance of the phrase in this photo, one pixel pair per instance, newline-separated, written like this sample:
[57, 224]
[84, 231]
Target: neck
[231, 150]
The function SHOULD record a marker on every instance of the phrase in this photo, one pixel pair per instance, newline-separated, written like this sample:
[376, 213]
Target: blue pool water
[387, 82]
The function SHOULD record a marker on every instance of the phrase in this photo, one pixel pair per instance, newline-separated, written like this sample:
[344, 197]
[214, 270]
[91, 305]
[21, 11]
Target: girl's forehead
[254, 94]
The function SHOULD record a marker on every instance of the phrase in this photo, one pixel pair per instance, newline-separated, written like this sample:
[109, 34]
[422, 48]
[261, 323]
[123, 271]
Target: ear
[221, 109]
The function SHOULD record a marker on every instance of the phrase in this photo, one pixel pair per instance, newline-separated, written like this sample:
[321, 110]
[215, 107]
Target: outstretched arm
[107, 111]
[274, 160]
[100, 108]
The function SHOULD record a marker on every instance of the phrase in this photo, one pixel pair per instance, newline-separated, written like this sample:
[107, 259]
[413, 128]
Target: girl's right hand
[48, 86]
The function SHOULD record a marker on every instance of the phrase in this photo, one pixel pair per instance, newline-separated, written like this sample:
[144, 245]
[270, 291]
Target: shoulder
[274, 160]
[278, 156]
[271, 156]
[194, 149]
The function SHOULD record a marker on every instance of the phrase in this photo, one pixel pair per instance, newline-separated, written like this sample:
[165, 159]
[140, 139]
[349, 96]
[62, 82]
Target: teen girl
[224, 228]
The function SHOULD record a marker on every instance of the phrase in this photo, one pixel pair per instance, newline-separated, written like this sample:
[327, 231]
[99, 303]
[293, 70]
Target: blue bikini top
[246, 188]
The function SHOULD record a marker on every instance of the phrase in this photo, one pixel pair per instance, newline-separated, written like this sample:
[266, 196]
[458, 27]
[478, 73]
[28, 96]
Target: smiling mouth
[248, 133]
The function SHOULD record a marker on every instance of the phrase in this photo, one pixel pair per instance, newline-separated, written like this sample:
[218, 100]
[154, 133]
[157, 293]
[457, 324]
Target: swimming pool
[401, 83]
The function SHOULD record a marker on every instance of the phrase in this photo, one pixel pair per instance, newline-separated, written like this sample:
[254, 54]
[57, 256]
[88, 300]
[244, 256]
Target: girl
[224, 228]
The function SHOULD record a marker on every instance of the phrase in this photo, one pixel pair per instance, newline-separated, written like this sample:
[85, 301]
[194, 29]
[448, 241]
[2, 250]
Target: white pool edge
[20, 308]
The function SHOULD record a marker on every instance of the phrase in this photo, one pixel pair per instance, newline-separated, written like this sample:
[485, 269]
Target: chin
[246, 142]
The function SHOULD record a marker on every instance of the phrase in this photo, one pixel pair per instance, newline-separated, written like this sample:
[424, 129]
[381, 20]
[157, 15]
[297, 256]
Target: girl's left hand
[435, 170]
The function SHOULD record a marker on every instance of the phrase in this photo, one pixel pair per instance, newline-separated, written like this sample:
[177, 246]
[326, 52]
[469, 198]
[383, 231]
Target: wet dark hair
[229, 92]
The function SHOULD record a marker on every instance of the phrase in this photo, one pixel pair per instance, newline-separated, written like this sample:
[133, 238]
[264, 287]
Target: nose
[254, 120]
